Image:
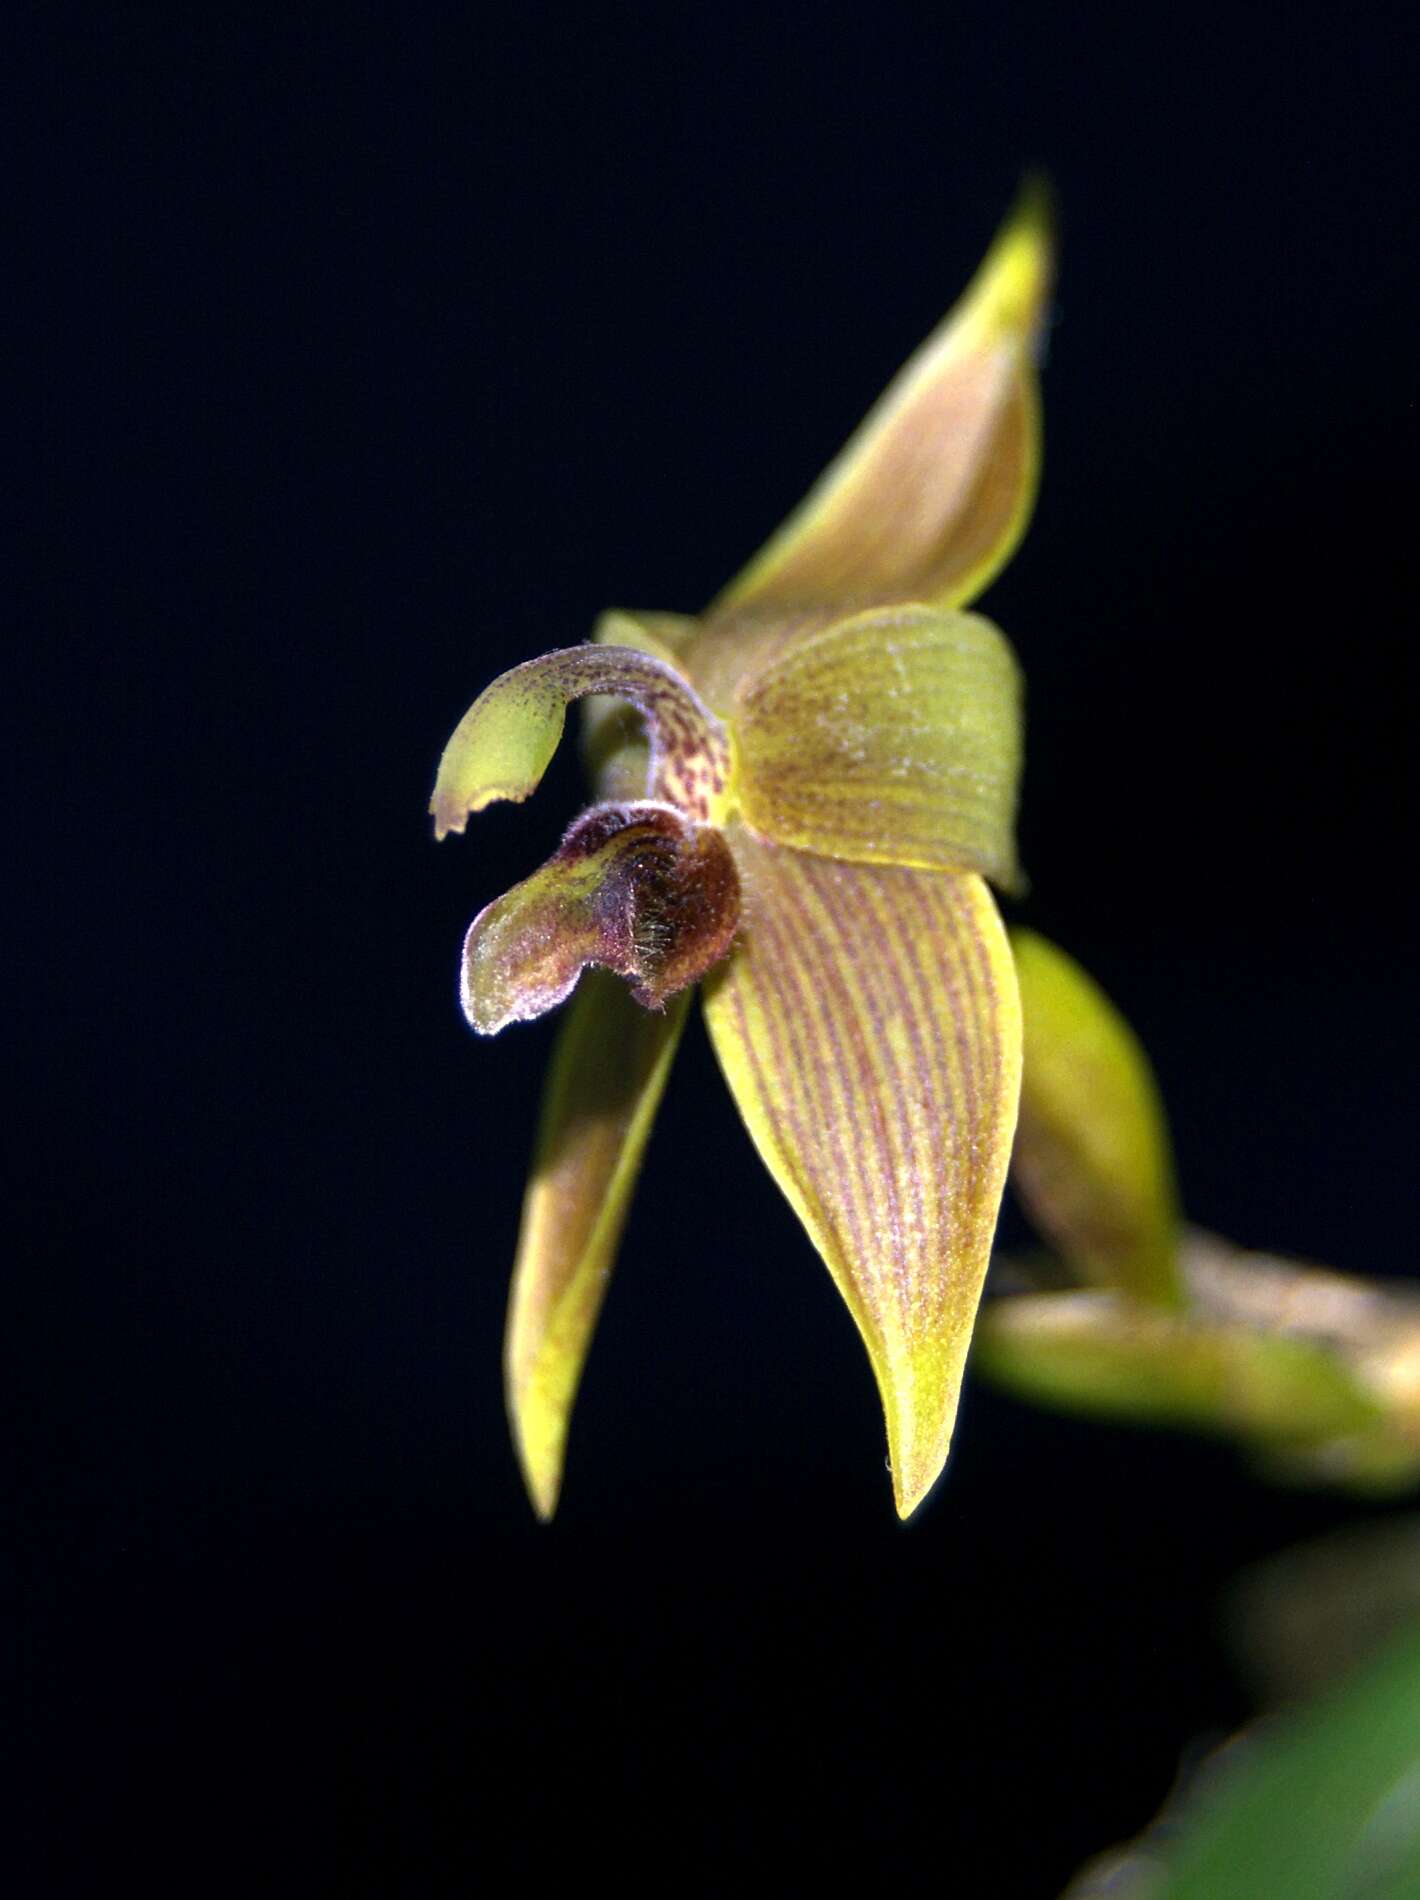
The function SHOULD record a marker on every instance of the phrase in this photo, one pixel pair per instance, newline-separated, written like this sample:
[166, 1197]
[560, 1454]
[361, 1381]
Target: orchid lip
[637, 889]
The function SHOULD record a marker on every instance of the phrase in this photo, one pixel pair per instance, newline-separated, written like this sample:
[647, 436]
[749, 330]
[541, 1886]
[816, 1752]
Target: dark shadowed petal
[505, 741]
[608, 1072]
[636, 889]
[1092, 1159]
[891, 737]
[868, 1025]
[931, 495]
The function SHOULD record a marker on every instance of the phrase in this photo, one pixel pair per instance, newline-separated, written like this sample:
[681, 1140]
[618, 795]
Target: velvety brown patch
[638, 889]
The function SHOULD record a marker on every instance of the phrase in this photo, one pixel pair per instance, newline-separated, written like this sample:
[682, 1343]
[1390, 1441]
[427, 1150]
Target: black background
[387, 348]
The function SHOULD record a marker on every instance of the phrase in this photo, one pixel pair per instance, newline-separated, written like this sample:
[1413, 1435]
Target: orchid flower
[802, 797]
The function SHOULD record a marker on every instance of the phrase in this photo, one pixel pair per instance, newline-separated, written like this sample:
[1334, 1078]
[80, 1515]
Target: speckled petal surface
[869, 1028]
[892, 737]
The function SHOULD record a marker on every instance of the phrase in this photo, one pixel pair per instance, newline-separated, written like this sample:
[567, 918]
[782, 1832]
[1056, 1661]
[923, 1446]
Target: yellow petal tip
[931, 494]
[1015, 276]
[907, 1496]
[540, 1439]
[543, 1492]
[917, 1452]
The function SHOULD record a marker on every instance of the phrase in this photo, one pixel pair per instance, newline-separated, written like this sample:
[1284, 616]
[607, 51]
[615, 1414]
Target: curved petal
[868, 1025]
[608, 1072]
[893, 737]
[615, 746]
[635, 889]
[505, 741]
[931, 495]
[1092, 1161]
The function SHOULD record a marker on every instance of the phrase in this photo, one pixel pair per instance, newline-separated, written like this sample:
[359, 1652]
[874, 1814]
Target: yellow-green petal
[891, 737]
[608, 1073]
[868, 1026]
[931, 495]
[505, 741]
[1092, 1160]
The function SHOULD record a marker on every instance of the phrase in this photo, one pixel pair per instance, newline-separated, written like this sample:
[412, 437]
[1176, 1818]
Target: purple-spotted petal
[505, 741]
[616, 747]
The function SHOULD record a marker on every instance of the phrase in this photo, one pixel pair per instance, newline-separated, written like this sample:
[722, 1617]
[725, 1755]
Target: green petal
[635, 889]
[931, 495]
[608, 1073]
[1092, 1161]
[868, 1026]
[505, 741]
[893, 737]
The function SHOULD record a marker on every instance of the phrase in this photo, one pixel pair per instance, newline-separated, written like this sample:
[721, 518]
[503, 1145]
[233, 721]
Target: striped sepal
[869, 1027]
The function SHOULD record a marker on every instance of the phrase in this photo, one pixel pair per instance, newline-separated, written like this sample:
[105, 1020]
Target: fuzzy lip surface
[636, 889]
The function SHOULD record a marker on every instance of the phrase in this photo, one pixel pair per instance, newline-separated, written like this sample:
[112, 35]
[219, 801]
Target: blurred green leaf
[1304, 1618]
[1320, 1805]
[1316, 1373]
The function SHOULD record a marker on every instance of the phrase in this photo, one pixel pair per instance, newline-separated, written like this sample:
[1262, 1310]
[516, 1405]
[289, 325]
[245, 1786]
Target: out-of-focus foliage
[1301, 1619]
[1315, 1372]
[1320, 1804]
